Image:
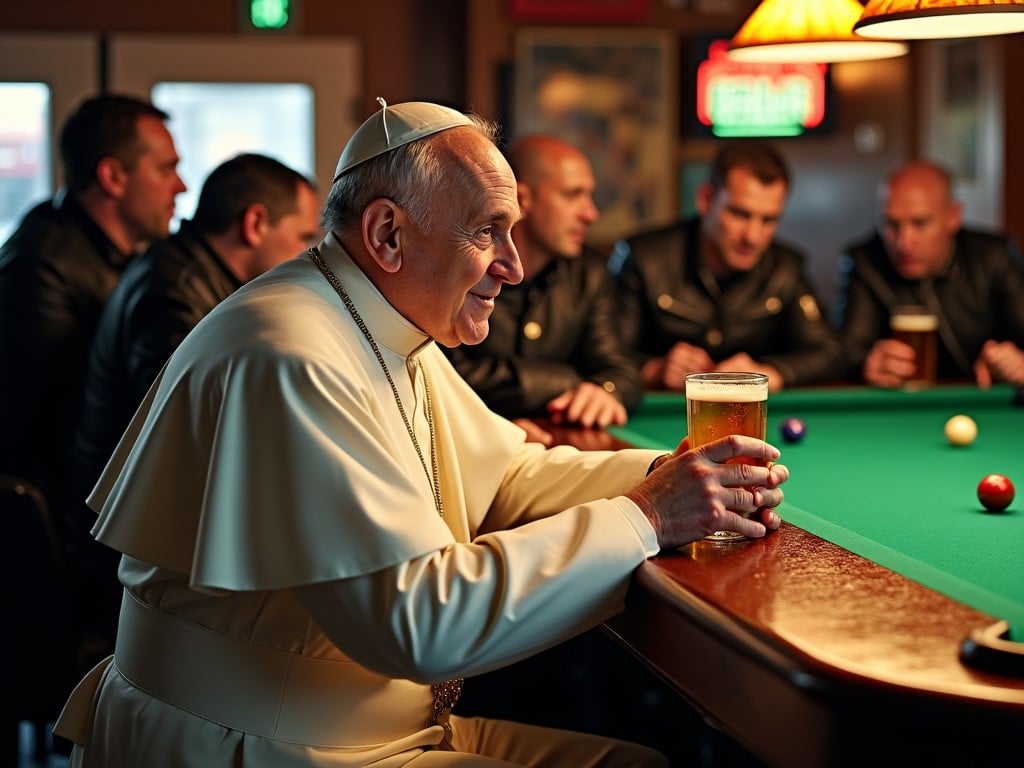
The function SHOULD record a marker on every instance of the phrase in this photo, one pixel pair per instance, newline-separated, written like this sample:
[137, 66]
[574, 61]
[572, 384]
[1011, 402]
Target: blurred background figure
[717, 292]
[60, 265]
[553, 349]
[972, 281]
[253, 213]
[56, 271]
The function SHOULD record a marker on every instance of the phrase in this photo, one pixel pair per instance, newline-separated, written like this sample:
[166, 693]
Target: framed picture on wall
[962, 124]
[614, 94]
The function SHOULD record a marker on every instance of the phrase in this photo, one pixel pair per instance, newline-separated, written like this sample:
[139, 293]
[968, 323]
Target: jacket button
[810, 307]
[665, 301]
[714, 337]
[532, 330]
[773, 305]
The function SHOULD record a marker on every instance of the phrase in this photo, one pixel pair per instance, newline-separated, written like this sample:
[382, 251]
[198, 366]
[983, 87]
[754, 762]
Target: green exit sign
[272, 15]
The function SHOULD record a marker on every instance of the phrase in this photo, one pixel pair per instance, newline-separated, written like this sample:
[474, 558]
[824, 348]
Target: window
[211, 122]
[25, 163]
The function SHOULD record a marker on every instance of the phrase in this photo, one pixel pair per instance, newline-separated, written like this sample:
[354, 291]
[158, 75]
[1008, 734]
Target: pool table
[880, 623]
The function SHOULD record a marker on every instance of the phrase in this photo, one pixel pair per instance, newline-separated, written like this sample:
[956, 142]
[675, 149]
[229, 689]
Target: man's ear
[254, 223]
[382, 233]
[525, 196]
[954, 217]
[703, 197]
[110, 176]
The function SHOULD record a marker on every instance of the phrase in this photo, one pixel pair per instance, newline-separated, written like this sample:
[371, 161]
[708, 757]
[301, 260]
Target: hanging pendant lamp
[819, 31]
[930, 19]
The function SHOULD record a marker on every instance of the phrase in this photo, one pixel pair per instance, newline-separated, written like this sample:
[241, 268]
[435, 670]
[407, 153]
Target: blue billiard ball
[793, 429]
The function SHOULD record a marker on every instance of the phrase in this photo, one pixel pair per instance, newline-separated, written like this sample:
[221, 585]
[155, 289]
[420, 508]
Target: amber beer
[918, 327]
[725, 403]
[711, 419]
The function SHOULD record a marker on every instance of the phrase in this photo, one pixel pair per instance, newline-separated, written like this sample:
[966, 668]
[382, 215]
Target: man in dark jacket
[972, 281]
[56, 271]
[717, 292]
[60, 265]
[253, 213]
[553, 349]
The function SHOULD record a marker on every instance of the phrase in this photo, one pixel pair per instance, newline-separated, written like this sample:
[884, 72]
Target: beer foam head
[726, 392]
[917, 323]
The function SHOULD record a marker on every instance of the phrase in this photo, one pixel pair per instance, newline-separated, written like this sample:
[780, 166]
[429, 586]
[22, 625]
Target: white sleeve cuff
[638, 520]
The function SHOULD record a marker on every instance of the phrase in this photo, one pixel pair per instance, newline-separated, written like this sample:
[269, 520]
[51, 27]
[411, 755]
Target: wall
[833, 195]
[1013, 106]
[833, 198]
[412, 48]
[453, 51]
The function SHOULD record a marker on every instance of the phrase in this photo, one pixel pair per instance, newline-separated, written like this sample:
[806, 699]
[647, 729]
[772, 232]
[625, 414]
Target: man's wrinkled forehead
[485, 172]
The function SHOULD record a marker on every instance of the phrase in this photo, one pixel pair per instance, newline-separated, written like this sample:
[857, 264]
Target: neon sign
[748, 99]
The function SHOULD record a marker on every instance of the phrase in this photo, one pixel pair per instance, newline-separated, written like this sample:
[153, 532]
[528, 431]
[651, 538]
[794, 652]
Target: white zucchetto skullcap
[394, 127]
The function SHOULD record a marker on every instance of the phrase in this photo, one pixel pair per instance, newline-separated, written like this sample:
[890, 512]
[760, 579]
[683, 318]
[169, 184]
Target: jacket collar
[68, 205]
[192, 239]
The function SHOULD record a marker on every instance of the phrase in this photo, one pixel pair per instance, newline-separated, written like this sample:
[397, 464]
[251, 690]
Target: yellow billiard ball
[961, 430]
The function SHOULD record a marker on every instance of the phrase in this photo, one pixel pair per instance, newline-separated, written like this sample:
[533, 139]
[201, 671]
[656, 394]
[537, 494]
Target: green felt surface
[875, 475]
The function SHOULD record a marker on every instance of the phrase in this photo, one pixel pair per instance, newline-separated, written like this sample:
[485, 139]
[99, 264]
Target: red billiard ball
[995, 492]
[793, 429]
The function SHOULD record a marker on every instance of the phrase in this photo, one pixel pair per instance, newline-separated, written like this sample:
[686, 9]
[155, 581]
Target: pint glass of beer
[726, 403]
[918, 326]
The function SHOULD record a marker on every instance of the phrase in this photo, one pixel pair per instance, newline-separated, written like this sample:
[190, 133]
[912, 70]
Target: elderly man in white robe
[324, 529]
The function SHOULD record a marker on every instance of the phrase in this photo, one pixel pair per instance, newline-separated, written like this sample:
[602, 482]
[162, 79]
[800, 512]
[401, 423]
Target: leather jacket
[162, 295]
[56, 271]
[979, 296]
[769, 312]
[546, 337]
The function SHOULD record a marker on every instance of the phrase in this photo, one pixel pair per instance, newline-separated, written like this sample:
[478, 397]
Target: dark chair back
[39, 636]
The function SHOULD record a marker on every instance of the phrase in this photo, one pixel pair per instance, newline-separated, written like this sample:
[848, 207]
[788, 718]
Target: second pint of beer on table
[918, 327]
[726, 403]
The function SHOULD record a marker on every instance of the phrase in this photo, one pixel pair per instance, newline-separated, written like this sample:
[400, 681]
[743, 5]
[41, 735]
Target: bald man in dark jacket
[973, 282]
[553, 349]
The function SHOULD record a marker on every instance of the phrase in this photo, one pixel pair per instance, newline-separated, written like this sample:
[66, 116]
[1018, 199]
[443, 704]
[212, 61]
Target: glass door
[290, 99]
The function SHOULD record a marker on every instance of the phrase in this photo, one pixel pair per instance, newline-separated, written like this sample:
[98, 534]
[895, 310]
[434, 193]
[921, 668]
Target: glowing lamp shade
[929, 19]
[818, 31]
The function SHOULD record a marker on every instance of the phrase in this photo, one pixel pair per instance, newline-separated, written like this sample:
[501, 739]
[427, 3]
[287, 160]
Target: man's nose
[590, 214]
[756, 231]
[903, 237]
[508, 265]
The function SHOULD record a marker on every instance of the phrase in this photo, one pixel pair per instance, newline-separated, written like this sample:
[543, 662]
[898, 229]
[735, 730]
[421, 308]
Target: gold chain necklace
[446, 693]
[435, 486]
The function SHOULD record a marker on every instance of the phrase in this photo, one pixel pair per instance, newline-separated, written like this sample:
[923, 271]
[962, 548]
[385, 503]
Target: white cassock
[291, 591]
